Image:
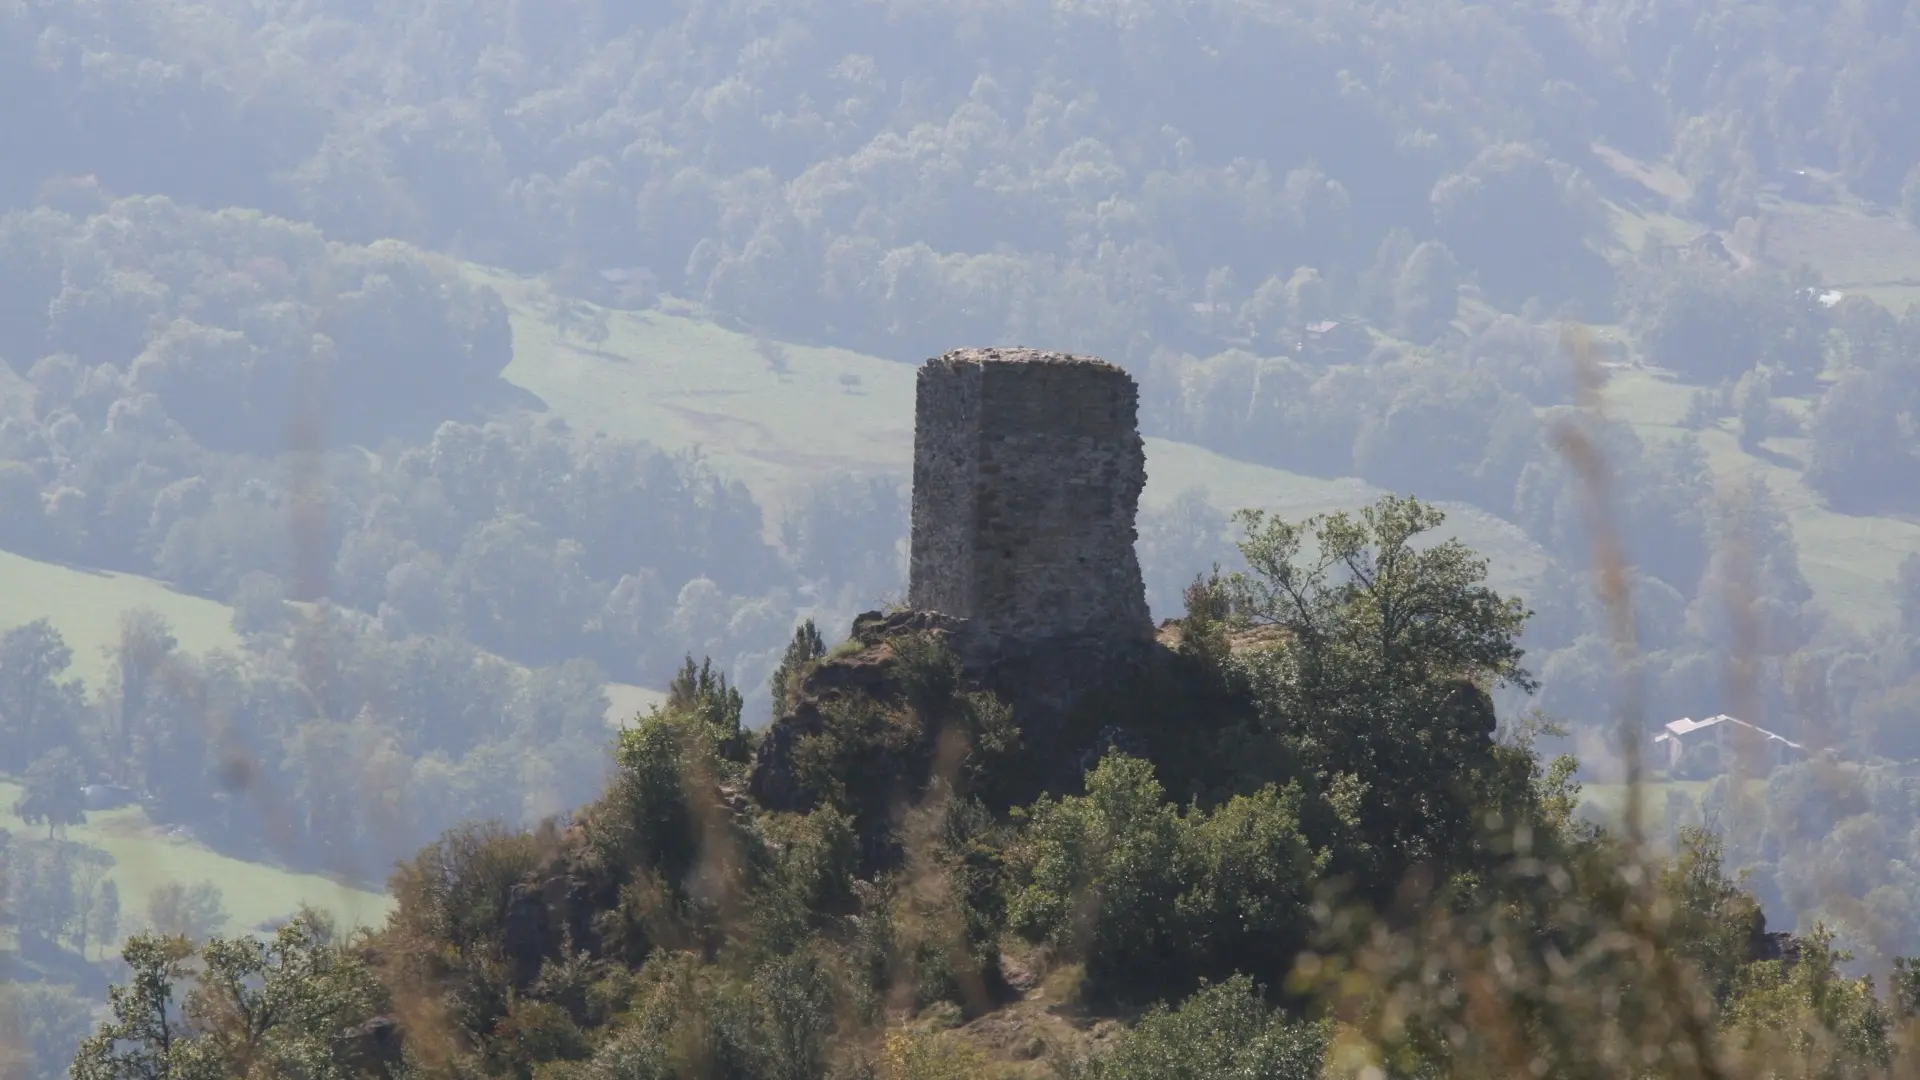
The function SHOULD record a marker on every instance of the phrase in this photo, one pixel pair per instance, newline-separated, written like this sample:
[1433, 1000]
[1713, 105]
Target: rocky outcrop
[1039, 682]
[863, 667]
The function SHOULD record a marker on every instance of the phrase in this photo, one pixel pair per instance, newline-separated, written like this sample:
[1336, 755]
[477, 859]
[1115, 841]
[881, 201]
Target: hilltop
[925, 914]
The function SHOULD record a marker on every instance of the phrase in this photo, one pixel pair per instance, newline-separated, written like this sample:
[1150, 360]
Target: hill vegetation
[922, 913]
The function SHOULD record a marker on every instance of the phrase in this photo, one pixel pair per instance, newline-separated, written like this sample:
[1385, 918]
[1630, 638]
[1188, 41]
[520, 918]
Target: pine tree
[805, 648]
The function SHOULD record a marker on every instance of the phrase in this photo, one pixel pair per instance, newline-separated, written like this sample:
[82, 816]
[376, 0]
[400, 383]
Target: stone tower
[1027, 473]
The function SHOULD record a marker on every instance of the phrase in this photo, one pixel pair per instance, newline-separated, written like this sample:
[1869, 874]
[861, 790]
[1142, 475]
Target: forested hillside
[1312, 860]
[389, 393]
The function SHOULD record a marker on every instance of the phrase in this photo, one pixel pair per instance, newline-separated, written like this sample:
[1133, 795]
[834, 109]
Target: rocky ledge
[1038, 681]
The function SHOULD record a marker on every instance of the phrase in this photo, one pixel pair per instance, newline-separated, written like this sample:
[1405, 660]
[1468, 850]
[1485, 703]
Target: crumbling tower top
[1027, 473]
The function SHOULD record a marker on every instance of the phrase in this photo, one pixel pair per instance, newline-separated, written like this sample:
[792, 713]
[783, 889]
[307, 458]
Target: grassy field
[625, 701]
[686, 384]
[1854, 249]
[1658, 177]
[1514, 559]
[1607, 802]
[683, 384]
[86, 605]
[1848, 559]
[146, 857]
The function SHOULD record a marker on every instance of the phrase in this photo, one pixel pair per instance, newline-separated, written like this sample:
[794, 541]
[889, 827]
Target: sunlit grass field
[684, 384]
[1849, 560]
[1854, 249]
[86, 606]
[147, 856]
[625, 702]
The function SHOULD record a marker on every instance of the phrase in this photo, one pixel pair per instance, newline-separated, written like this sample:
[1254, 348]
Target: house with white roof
[1725, 734]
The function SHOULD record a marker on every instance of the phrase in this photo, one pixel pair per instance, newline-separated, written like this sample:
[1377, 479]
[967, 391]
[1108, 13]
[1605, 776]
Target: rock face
[1027, 473]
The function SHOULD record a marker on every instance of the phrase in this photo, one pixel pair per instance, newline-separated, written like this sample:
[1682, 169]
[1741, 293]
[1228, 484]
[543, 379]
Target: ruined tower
[1027, 473]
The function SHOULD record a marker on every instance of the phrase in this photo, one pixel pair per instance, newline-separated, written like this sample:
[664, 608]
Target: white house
[1677, 736]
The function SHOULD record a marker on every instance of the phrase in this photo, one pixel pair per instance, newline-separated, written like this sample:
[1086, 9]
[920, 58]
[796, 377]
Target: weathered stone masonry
[1028, 468]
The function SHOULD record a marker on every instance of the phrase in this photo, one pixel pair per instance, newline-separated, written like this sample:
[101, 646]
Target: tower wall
[1028, 468]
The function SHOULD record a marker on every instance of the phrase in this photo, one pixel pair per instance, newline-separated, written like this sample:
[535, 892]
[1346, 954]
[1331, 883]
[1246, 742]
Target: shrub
[692, 1020]
[663, 808]
[1150, 897]
[455, 892]
[922, 1055]
[1222, 1030]
[873, 754]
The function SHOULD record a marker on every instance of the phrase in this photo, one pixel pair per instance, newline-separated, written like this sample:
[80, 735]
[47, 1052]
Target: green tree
[1176, 540]
[1371, 598]
[1807, 1019]
[1387, 647]
[1722, 176]
[593, 329]
[104, 925]
[237, 1007]
[40, 1026]
[1152, 898]
[1753, 405]
[260, 605]
[567, 700]
[21, 512]
[41, 886]
[52, 793]
[806, 647]
[1860, 451]
[1426, 296]
[195, 912]
[844, 533]
[701, 693]
[1521, 219]
[662, 815]
[1714, 920]
[141, 656]
[1695, 314]
[284, 1007]
[39, 705]
[89, 886]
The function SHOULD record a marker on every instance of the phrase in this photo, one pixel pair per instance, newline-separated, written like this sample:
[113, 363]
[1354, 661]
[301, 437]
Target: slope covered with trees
[1345, 871]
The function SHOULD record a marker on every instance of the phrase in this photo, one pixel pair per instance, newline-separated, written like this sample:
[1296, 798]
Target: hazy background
[393, 396]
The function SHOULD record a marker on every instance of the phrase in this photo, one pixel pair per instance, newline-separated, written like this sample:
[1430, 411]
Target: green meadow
[147, 856]
[86, 606]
